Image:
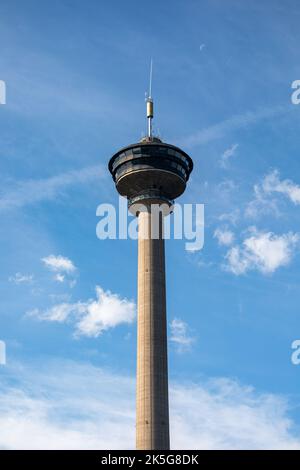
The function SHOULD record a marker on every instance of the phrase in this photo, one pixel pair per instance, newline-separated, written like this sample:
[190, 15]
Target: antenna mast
[149, 105]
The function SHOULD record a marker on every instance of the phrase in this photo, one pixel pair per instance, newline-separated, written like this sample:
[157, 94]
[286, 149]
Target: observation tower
[151, 173]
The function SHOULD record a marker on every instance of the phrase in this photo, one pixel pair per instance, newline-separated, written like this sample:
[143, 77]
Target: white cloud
[180, 335]
[59, 263]
[237, 261]
[225, 237]
[264, 201]
[34, 191]
[67, 406]
[262, 251]
[92, 317]
[58, 313]
[107, 311]
[222, 414]
[272, 183]
[19, 278]
[59, 277]
[60, 410]
[261, 205]
[227, 155]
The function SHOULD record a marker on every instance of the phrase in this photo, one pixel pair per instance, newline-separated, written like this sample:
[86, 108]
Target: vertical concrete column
[152, 404]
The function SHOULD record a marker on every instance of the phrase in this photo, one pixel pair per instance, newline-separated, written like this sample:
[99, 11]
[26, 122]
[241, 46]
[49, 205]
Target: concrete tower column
[152, 403]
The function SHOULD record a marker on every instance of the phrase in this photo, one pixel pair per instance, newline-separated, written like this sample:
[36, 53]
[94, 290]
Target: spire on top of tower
[149, 104]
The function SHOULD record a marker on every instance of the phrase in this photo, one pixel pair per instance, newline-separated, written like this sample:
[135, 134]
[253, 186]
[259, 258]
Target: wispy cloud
[224, 236]
[34, 191]
[180, 335]
[273, 184]
[231, 217]
[261, 204]
[223, 414]
[240, 121]
[226, 156]
[262, 251]
[265, 192]
[20, 278]
[218, 413]
[92, 317]
[98, 414]
[59, 277]
[59, 263]
[64, 268]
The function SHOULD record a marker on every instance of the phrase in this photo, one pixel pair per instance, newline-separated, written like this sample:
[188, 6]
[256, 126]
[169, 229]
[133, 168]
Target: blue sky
[76, 73]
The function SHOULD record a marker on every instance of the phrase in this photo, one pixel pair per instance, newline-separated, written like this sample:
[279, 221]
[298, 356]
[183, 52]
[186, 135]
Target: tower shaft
[152, 403]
